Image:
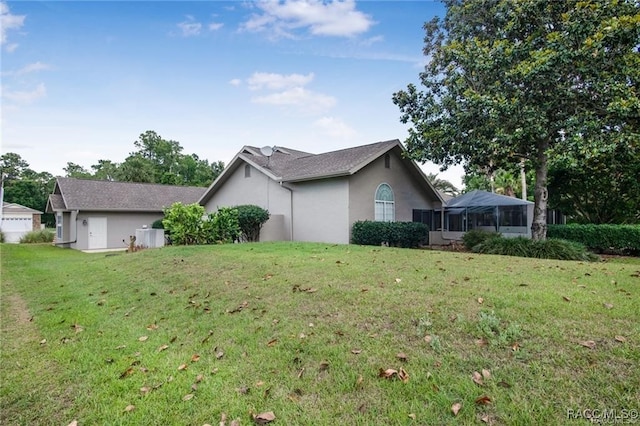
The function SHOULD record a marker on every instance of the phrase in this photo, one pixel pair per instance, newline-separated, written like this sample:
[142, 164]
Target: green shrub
[157, 224]
[477, 236]
[541, 249]
[396, 234]
[34, 237]
[623, 239]
[185, 224]
[224, 225]
[251, 218]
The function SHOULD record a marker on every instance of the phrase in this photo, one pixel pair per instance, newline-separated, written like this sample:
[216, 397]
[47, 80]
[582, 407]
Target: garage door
[15, 227]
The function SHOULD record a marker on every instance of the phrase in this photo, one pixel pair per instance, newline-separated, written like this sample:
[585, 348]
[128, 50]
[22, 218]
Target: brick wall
[36, 222]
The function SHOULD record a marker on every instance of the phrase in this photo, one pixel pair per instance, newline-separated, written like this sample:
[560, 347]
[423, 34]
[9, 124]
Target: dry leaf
[77, 327]
[195, 358]
[259, 383]
[300, 373]
[129, 408]
[401, 356]
[163, 347]
[428, 338]
[145, 389]
[412, 416]
[143, 338]
[403, 375]
[223, 419]
[73, 423]
[43, 341]
[219, 353]
[272, 342]
[483, 400]
[187, 397]
[264, 418]
[324, 365]
[486, 374]
[477, 378]
[388, 373]
[199, 378]
[235, 422]
[398, 280]
[481, 342]
[566, 299]
[455, 408]
[608, 305]
[588, 344]
[621, 339]
[356, 351]
[480, 300]
[127, 373]
[359, 381]
[182, 367]
[152, 327]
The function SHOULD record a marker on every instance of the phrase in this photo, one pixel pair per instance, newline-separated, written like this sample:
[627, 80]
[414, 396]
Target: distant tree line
[156, 160]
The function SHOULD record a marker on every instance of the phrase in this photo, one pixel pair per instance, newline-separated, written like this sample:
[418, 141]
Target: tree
[532, 79]
[442, 185]
[250, 220]
[105, 170]
[76, 171]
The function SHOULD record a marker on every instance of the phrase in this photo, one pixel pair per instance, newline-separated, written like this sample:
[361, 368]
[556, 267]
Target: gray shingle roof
[290, 165]
[478, 198]
[100, 195]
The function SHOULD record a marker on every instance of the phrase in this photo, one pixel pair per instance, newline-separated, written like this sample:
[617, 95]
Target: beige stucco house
[318, 197]
[98, 215]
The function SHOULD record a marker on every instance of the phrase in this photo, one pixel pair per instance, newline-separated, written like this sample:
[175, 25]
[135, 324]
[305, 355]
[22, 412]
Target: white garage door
[15, 227]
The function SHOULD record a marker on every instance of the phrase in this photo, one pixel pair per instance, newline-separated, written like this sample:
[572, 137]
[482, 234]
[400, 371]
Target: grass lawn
[202, 335]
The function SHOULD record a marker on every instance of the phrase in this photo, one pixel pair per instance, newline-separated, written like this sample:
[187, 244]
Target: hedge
[396, 234]
[600, 238]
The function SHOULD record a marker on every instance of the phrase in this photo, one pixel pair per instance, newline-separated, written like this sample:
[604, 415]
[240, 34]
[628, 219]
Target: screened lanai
[488, 211]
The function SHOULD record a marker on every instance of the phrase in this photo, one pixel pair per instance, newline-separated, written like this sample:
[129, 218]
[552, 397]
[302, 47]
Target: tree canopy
[537, 80]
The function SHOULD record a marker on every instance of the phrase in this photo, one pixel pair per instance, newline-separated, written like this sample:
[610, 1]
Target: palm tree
[442, 185]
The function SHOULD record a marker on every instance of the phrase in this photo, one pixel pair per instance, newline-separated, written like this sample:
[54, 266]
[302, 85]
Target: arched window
[385, 206]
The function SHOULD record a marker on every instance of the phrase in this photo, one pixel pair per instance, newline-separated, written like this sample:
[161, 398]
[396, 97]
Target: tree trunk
[539, 226]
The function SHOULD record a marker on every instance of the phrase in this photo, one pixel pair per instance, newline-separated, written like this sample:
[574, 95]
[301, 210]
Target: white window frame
[384, 207]
[59, 226]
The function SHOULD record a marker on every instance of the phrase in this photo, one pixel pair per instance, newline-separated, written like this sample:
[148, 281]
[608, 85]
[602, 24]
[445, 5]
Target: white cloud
[235, 82]
[337, 18]
[306, 100]
[24, 97]
[34, 67]
[190, 27]
[215, 26]
[335, 128]
[272, 81]
[9, 22]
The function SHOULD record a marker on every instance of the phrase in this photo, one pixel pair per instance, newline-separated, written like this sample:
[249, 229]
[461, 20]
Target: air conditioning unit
[150, 238]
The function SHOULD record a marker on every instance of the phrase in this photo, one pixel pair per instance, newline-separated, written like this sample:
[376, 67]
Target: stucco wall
[120, 226]
[321, 211]
[256, 189]
[409, 189]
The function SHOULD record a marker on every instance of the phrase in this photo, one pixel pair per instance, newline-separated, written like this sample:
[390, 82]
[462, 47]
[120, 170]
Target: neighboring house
[512, 217]
[98, 214]
[18, 220]
[318, 197]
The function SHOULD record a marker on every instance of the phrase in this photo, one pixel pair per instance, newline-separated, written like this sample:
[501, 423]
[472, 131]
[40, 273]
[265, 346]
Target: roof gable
[478, 198]
[18, 208]
[290, 165]
[100, 195]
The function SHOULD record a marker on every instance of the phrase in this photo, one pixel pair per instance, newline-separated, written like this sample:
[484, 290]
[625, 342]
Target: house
[512, 217]
[18, 220]
[98, 214]
[318, 197]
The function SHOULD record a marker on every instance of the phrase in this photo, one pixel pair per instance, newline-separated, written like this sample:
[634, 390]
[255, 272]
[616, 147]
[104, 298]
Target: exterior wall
[261, 191]
[409, 190]
[120, 226]
[321, 211]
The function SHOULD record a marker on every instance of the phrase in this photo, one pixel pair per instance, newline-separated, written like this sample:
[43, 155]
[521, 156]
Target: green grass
[304, 329]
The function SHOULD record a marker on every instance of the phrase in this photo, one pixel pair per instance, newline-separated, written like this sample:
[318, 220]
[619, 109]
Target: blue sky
[82, 80]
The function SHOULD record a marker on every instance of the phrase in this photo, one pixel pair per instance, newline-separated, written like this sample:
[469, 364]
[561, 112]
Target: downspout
[290, 208]
[76, 231]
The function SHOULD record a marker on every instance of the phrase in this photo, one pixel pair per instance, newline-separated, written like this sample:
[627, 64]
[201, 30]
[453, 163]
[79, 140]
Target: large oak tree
[538, 80]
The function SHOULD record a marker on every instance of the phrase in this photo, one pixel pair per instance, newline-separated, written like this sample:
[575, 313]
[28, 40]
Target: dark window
[387, 161]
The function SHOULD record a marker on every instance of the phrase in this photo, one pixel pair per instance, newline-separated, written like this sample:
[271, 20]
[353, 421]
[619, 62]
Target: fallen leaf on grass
[145, 390]
[455, 408]
[398, 280]
[43, 341]
[324, 365]
[608, 305]
[481, 342]
[504, 384]
[187, 397]
[486, 374]
[77, 327]
[480, 300]
[428, 338]
[195, 358]
[412, 416]
[389, 373]
[477, 378]
[143, 338]
[483, 400]
[239, 308]
[73, 423]
[566, 299]
[359, 381]
[272, 342]
[163, 347]
[152, 327]
[182, 367]
[129, 408]
[234, 422]
[588, 344]
[402, 356]
[356, 351]
[127, 373]
[264, 418]
[621, 339]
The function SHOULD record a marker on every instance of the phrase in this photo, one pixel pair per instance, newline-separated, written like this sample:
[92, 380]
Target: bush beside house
[396, 234]
[606, 238]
